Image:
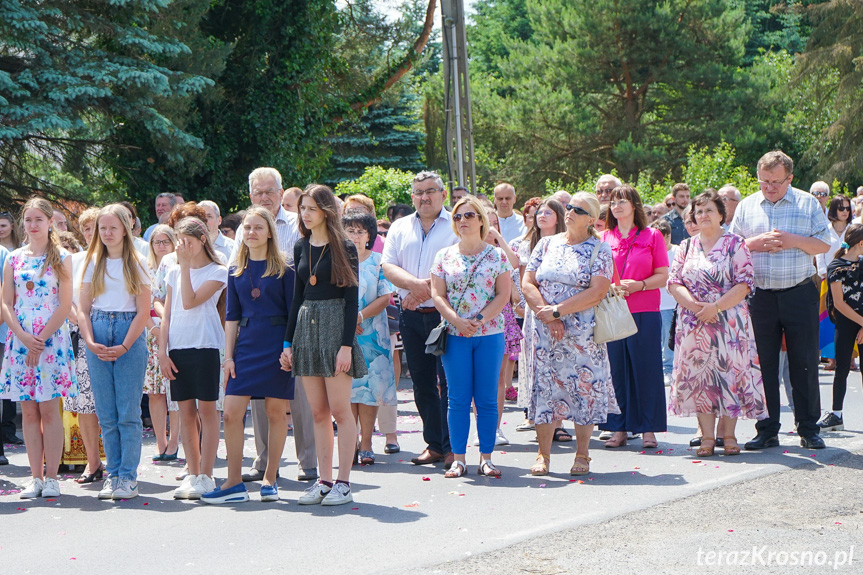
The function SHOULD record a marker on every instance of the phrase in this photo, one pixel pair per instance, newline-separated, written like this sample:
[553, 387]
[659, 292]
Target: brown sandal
[708, 445]
[578, 469]
[541, 466]
[731, 449]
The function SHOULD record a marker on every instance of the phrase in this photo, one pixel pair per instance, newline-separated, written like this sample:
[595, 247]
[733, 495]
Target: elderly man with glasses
[409, 252]
[730, 197]
[604, 185]
[821, 191]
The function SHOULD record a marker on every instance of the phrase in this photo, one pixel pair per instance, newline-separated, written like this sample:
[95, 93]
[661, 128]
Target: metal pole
[457, 100]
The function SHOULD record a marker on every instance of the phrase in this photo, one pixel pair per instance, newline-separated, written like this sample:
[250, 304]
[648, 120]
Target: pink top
[647, 254]
[379, 245]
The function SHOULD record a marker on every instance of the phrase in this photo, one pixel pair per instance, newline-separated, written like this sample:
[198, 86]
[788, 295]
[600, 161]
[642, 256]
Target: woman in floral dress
[378, 386]
[716, 369]
[39, 366]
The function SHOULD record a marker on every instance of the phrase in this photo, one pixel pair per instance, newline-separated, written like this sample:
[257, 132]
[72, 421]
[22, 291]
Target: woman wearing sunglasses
[570, 372]
[839, 214]
[641, 263]
[470, 285]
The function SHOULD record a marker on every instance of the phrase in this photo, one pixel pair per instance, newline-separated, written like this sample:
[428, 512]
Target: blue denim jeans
[473, 365]
[667, 352]
[117, 389]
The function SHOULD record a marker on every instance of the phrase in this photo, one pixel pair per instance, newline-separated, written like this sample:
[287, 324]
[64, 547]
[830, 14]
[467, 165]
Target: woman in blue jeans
[470, 285]
[113, 310]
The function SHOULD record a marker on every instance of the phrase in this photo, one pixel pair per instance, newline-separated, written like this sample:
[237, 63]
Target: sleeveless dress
[54, 376]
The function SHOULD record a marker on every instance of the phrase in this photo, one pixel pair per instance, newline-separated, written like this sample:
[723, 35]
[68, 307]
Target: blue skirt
[256, 362]
[636, 372]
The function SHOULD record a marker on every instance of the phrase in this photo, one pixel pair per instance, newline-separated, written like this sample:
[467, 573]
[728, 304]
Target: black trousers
[846, 335]
[426, 373]
[794, 314]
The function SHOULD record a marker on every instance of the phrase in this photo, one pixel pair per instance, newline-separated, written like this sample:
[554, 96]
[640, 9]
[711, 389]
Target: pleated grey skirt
[318, 338]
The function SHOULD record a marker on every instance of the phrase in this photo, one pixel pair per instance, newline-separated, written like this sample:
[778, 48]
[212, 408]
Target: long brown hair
[534, 234]
[853, 236]
[276, 260]
[52, 250]
[627, 192]
[97, 253]
[196, 228]
[342, 274]
[14, 236]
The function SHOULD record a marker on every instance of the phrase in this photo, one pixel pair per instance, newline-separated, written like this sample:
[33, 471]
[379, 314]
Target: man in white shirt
[224, 245]
[511, 224]
[412, 243]
[265, 190]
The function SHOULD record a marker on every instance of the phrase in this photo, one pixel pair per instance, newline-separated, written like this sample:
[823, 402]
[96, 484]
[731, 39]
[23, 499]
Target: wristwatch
[555, 314]
[479, 317]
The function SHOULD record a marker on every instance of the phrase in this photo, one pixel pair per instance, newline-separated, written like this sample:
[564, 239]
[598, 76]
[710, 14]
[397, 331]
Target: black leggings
[846, 334]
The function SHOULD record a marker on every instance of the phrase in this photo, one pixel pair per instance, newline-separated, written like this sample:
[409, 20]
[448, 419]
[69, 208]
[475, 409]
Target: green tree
[383, 185]
[68, 71]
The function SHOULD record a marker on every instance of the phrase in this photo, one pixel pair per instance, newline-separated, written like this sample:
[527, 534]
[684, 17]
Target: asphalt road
[639, 511]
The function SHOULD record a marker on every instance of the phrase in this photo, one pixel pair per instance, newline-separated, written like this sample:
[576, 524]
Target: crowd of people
[300, 307]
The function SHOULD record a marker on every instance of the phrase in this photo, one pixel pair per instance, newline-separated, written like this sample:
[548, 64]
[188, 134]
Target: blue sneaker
[236, 494]
[269, 493]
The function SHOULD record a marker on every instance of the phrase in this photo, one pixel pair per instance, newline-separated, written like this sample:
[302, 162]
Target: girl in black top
[845, 305]
[320, 342]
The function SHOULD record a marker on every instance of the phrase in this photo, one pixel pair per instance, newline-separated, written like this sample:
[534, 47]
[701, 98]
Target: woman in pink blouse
[641, 264]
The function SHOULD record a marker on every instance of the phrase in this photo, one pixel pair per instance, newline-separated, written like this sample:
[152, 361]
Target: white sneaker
[183, 474]
[500, 438]
[51, 488]
[314, 494]
[338, 495]
[475, 441]
[605, 435]
[108, 487]
[126, 489]
[203, 484]
[186, 488]
[33, 489]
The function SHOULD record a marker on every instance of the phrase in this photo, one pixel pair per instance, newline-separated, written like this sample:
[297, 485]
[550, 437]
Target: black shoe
[253, 475]
[696, 442]
[13, 440]
[812, 442]
[3, 460]
[761, 442]
[307, 475]
[831, 422]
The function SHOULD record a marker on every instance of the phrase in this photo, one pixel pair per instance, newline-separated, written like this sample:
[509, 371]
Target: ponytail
[853, 236]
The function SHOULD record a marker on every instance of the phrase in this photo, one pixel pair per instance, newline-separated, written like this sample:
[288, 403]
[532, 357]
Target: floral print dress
[570, 378]
[154, 381]
[378, 386]
[716, 368]
[37, 296]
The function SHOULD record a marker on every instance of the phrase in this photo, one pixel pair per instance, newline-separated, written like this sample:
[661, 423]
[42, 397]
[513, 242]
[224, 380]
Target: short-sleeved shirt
[647, 253]
[409, 247]
[116, 297]
[849, 273]
[201, 326]
[470, 283]
[512, 227]
[796, 212]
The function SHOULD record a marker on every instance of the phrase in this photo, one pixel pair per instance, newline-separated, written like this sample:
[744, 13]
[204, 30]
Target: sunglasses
[577, 209]
[465, 215]
[843, 208]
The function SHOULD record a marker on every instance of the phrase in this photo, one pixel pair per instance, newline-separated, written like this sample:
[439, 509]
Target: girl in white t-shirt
[191, 336]
[113, 309]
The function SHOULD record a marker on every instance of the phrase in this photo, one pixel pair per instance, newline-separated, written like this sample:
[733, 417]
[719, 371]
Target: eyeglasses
[428, 192]
[544, 213]
[466, 215]
[259, 193]
[669, 204]
[356, 231]
[843, 208]
[765, 184]
[577, 209]
[619, 203]
[165, 243]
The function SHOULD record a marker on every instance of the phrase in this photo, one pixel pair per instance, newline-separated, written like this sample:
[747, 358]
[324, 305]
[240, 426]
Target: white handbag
[612, 318]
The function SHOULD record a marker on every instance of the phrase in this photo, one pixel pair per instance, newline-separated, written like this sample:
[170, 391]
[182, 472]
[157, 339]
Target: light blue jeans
[117, 390]
[472, 366]
[667, 352]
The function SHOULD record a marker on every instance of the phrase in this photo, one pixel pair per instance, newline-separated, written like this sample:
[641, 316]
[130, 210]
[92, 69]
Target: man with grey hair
[730, 197]
[604, 185]
[821, 191]
[412, 243]
[561, 196]
[165, 202]
[224, 245]
[265, 190]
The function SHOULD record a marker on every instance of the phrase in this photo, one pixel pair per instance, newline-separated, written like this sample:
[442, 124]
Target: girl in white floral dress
[39, 366]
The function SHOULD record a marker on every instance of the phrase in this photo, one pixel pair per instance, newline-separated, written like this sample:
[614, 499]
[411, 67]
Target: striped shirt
[796, 212]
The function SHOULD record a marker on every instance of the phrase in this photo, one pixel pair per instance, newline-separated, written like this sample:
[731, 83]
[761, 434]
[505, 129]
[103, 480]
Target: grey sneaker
[126, 489]
[108, 487]
[314, 494]
[51, 488]
[338, 495]
[33, 489]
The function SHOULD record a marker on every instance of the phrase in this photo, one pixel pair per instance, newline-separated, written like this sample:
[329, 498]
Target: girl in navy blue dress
[260, 290]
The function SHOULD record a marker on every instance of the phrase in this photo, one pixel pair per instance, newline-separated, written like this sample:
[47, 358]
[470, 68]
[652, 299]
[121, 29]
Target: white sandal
[457, 469]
